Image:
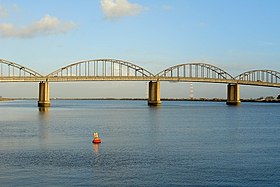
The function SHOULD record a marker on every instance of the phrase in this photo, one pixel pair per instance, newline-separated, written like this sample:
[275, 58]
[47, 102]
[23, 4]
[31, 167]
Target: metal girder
[11, 69]
[195, 70]
[21, 79]
[99, 78]
[260, 76]
[101, 68]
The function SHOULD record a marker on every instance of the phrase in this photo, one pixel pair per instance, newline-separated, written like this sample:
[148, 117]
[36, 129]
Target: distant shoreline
[143, 99]
[6, 99]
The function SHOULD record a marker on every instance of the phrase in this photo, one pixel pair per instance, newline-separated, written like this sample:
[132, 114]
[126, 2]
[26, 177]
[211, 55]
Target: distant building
[269, 98]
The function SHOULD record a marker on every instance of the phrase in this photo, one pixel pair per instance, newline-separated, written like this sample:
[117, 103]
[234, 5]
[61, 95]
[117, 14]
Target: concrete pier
[154, 93]
[44, 94]
[233, 94]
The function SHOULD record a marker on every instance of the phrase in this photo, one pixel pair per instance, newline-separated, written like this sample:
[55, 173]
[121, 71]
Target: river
[180, 143]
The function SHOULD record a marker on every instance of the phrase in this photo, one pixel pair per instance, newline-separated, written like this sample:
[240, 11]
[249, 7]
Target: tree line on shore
[267, 99]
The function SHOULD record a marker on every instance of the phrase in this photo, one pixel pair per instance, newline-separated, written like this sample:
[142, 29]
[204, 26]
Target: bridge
[119, 70]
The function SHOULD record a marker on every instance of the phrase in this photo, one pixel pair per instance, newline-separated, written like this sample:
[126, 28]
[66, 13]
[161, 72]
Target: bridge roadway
[118, 70]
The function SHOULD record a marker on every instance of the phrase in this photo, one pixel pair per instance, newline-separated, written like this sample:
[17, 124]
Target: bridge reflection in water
[119, 70]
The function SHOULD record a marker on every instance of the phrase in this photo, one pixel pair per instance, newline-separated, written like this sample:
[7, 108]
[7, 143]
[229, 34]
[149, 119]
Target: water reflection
[155, 118]
[44, 121]
[44, 109]
[95, 149]
[155, 106]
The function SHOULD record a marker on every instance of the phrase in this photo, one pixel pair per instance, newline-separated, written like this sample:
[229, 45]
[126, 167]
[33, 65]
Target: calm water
[177, 144]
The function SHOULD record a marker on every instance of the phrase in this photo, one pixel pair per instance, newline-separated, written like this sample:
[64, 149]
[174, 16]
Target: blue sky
[235, 35]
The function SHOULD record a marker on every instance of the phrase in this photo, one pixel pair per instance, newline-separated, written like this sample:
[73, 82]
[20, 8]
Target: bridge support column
[44, 94]
[233, 94]
[154, 93]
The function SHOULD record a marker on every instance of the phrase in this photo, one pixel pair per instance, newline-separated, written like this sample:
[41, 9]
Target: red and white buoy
[96, 139]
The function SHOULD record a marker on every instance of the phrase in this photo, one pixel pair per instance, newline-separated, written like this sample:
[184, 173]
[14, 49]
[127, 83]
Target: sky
[235, 35]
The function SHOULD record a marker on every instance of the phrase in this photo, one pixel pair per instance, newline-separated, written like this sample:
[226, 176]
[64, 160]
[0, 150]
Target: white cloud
[3, 12]
[114, 9]
[167, 8]
[48, 25]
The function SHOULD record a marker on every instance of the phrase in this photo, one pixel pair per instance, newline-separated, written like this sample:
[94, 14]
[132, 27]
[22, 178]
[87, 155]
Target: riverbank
[162, 99]
[6, 99]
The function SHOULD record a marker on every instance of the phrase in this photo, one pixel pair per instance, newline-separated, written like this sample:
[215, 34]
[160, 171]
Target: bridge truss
[13, 72]
[195, 72]
[101, 69]
[260, 78]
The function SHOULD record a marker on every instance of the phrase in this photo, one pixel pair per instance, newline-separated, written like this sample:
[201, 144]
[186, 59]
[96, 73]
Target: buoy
[96, 139]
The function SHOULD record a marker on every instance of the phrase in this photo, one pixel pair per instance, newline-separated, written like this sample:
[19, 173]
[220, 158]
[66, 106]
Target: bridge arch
[260, 76]
[11, 69]
[102, 69]
[195, 71]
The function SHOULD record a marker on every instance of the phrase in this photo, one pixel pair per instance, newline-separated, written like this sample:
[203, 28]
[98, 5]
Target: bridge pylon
[44, 94]
[154, 93]
[233, 94]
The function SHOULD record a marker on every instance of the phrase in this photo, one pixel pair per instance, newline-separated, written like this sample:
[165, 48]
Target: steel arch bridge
[195, 72]
[267, 78]
[13, 72]
[101, 70]
[119, 70]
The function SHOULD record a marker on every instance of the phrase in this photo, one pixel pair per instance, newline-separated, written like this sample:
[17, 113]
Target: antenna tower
[191, 91]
